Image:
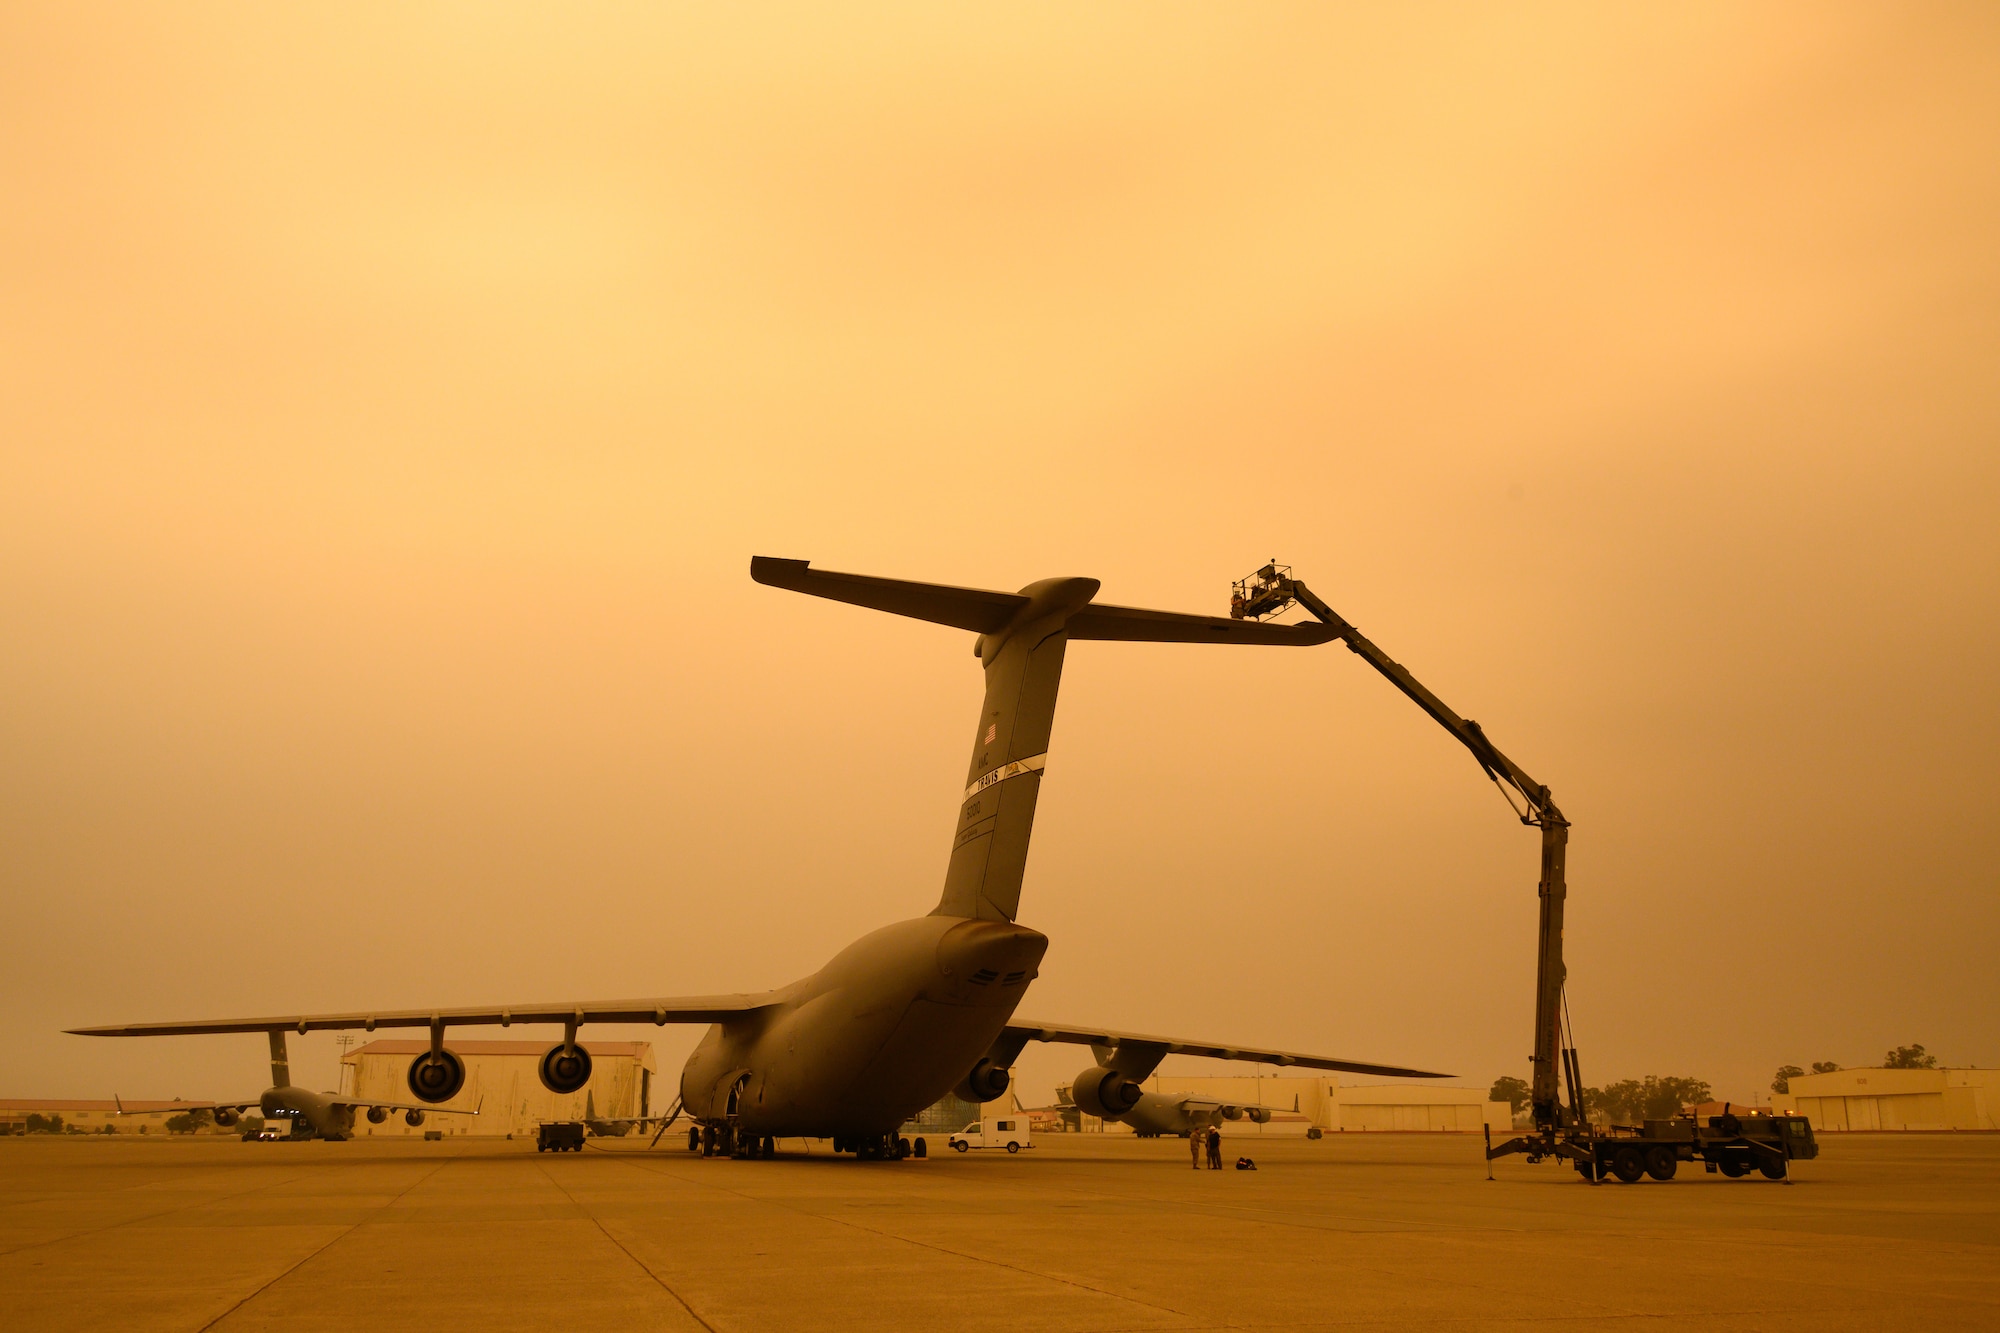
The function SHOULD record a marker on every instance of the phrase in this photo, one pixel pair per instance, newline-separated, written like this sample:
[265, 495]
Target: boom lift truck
[1729, 1143]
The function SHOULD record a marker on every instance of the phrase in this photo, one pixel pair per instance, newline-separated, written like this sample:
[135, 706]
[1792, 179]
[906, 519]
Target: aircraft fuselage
[1155, 1114]
[884, 1030]
[328, 1119]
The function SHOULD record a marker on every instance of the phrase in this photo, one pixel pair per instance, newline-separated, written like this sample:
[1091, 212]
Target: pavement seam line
[322, 1249]
[924, 1245]
[147, 1217]
[644, 1267]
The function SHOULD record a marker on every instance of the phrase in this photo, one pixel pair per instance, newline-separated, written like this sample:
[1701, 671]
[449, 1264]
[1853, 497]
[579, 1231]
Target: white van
[1009, 1132]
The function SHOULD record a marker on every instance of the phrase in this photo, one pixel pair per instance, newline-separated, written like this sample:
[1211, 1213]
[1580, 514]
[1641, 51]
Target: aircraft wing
[256, 1103]
[1213, 1050]
[677, 1009]
[360, 1102]
[1208, 1106]
[244, 1104]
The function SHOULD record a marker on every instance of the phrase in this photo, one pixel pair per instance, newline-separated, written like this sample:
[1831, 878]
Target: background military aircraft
[330, 1115]
[1158, 1114]
[918, 1008]
[618, 1126]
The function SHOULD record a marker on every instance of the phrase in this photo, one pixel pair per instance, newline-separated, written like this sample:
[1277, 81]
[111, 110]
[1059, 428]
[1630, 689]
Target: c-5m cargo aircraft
[916, 1009]
[330, 1114]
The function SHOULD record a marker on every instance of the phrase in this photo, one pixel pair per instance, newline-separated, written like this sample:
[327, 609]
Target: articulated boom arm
[1273, 589]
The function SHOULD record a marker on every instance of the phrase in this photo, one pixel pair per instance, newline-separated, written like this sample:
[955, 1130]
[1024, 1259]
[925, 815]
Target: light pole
[344, 1041]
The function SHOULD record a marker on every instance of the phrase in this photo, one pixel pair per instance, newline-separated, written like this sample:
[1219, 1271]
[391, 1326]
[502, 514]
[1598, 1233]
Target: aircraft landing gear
[878, 1147]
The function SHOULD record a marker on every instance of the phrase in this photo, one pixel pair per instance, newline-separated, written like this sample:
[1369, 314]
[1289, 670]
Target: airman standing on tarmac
[1195, 1139]
[1214, 1148]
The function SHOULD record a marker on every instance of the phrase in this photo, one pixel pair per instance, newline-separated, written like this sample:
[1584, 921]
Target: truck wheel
[1013, 1147]
[1627, 1165]
[1660, 1163]
[1773, 1169]
[960, 1145]
[1732, 1167]
[1313, 1133]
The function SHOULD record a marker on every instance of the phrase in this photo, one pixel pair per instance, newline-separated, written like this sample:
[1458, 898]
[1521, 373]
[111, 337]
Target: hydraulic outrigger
[1727, 1143]
[1272, 589]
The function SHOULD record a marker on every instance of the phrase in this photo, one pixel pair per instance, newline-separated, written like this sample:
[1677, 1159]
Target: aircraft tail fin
[281, 1065]
[1022, 639]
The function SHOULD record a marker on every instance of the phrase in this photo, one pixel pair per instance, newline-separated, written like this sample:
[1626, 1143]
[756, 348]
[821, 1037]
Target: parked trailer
[560, 1136]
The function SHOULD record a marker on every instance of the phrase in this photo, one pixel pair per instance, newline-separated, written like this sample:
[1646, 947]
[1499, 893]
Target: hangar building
[954, 1113]
[501, 1080]
[1320, 1102]
[1851, 1099]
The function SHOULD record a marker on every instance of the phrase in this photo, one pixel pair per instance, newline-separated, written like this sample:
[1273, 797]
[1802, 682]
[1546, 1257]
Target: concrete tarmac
[1080, 1232]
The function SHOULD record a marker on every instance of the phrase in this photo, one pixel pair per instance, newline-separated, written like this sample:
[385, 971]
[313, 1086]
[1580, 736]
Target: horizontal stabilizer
[975, 609]
[1106, 1037]
[1135, 625]
[987, 612]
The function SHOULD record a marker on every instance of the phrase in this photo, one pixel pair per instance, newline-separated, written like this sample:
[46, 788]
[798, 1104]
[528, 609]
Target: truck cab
[1005, 1131]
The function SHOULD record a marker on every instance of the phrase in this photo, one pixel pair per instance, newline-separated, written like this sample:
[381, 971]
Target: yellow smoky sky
[392, 397]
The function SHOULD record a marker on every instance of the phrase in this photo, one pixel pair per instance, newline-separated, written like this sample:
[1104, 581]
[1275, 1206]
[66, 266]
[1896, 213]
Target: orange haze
[392, 397]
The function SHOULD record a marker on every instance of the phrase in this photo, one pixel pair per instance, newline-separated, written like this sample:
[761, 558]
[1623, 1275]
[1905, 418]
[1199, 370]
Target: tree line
[1659, 1097]
[1628, 1101]
[1897, 1057]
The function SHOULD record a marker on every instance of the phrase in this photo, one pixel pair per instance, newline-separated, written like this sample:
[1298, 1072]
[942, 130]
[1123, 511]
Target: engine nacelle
[565, 1068]
[1232, 1113]
[1259, 1115]
[413, 1118]
[436, 1077]
[1104, 1093]
[986, 1082]
[377, 1114]
[227, 1116]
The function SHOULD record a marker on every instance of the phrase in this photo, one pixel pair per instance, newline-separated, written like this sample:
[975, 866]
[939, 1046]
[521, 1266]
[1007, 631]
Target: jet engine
[1232, 1113]
[413, 1118]
[436, 1076]
[377, 1114]
[986, 1082]
[1105, 1093]
[1260, 1115]
[566, 1068]
[227, 1116]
